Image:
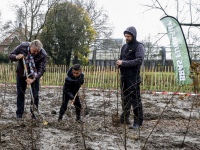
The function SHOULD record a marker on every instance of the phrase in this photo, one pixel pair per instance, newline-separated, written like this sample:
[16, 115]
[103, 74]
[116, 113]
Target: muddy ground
[101, 131]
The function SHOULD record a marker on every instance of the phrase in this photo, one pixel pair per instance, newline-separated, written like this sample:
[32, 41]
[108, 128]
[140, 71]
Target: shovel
[32, 107]
[72, 103]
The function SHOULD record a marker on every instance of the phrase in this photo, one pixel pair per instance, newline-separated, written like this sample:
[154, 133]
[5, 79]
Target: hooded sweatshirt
[132, 55]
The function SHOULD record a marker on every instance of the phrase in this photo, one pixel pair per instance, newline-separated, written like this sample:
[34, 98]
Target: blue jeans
[21, 88]
[131, 97]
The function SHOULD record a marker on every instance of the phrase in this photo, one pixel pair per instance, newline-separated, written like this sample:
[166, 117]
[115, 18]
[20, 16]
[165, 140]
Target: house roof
[9, 39]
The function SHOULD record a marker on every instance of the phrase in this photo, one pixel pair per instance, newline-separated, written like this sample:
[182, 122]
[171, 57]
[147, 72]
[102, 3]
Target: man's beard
[128, 41]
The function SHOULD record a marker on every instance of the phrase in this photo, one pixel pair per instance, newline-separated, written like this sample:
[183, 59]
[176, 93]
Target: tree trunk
[68, 57]
[76, 61]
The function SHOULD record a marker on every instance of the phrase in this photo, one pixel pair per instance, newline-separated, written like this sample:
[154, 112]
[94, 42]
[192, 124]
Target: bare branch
[161, 7]
[190, 24]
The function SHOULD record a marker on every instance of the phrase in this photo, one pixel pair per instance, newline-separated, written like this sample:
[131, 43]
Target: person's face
[128, 38]
[76, 73]
[34, 51]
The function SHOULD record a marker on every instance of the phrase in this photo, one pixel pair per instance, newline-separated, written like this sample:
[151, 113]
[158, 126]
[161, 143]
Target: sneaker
[134, 126]
[126, 121]
[60, 118]
[80, 120]
[19, 115]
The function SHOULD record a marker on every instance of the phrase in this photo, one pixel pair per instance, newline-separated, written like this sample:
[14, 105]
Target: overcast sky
[122, 14]
[125, 13]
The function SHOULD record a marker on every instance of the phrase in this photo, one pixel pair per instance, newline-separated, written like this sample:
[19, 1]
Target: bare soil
[102, 131]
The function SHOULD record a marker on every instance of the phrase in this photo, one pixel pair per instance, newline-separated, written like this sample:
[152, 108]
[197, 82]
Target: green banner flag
[179, 50]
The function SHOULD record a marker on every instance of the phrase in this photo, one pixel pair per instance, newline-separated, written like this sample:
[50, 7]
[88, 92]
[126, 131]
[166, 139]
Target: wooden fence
[153, 79]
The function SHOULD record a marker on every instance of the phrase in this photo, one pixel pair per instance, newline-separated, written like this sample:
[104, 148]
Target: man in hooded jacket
[130, 61]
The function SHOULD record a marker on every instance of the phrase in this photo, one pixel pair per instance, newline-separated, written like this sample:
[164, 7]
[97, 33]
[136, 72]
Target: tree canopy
[68, 30]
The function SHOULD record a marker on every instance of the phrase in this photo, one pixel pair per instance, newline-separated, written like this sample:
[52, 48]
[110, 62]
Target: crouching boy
[73, 81]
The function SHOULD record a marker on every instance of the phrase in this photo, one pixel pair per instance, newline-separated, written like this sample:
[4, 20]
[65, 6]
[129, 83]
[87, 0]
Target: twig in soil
[84, 95]
[159, 118]
[117, 144]
[120, 136]
[32, 132]
[124, 113]
[194, 75]
[0, 135]
[82, 128]
[104, 103]
[125, 137]
[182, 145]
[24, 147]
[117, 92]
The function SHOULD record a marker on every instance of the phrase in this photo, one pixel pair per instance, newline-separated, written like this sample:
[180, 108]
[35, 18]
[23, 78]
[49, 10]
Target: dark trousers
[77, 105]
[131, 97]
[21, 88]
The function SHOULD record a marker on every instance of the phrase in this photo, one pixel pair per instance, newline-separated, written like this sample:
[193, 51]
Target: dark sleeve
[120, 57]
[66, 88]
[139, 54]
[70, 95]
[41, 67]
[14, 53]
[67, 83]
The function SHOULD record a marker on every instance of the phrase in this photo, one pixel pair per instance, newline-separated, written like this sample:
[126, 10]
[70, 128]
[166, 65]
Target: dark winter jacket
[132, 55]
[40, 59]
[72, 84]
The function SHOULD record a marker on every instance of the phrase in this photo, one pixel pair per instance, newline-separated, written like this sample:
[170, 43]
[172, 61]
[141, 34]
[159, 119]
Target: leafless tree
[32, 14]
[187, 12]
